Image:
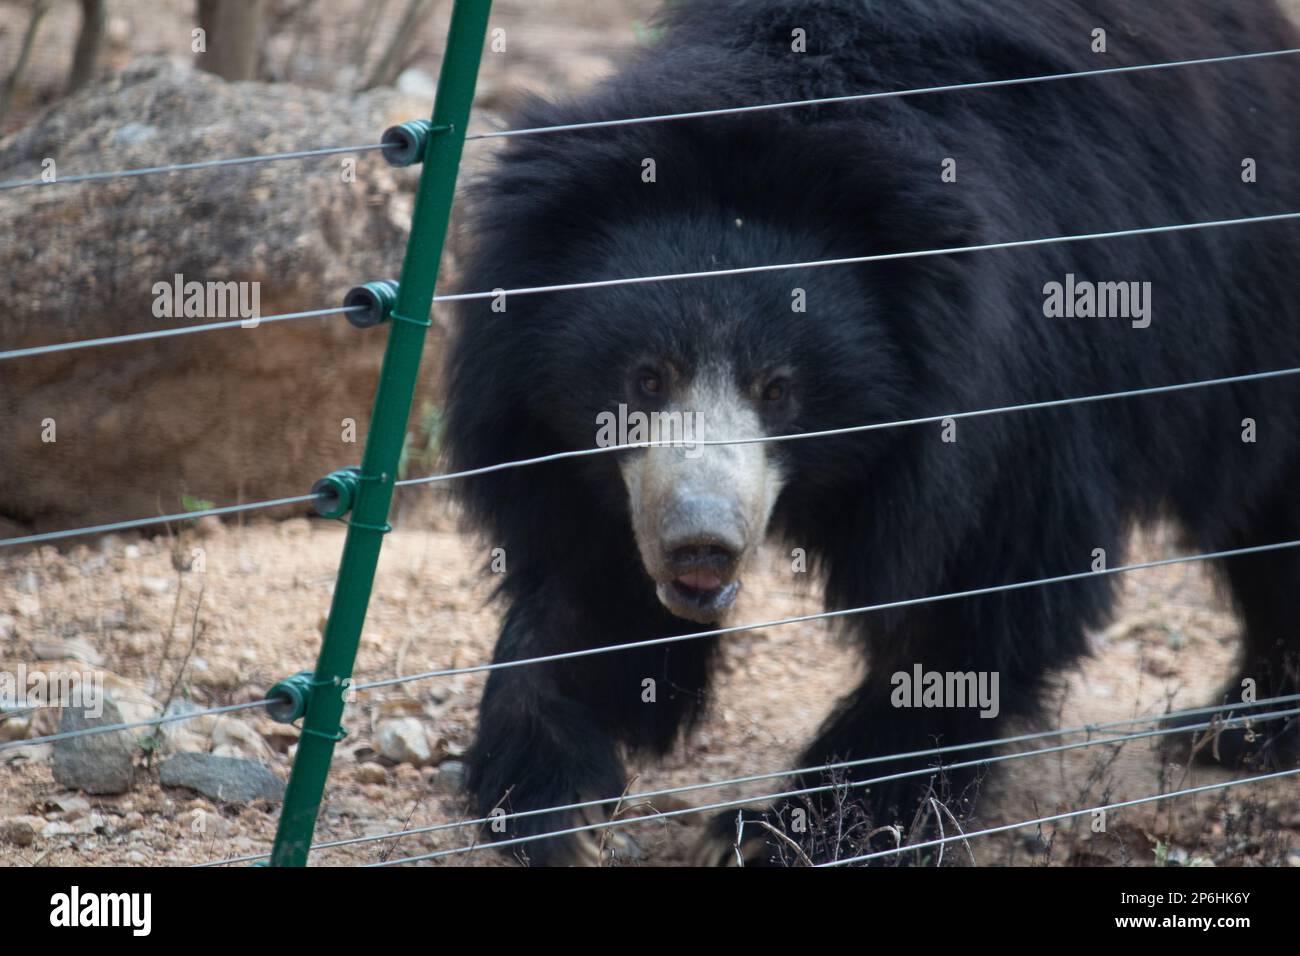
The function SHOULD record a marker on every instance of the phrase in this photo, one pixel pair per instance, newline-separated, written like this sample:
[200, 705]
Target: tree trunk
[39, 9]
[234, 33]
[89, 41]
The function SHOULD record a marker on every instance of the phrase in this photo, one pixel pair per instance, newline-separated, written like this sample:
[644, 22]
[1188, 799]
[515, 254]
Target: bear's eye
[775, 390]
[650, 383]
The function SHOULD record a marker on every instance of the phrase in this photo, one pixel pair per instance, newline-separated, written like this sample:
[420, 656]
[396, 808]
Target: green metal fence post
[410, 320]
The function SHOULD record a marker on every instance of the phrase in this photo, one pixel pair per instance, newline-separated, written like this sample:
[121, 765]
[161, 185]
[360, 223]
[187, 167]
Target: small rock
[95, 763]
[226, 779]
[416, 82]
[147, 837]
[450, 777]
[180, 740]
[139, 644]
[219, 675]
[233, 737]
[71, 806]
[181, 736]
[279, 737]
[210, 824]
[371, 773]
[294, 527]
[57, 649]
[21, 831]
[15, 726]
[133, 703]
[398, 707]
[57, 828]
[31, 753]
[118, 31]
[403, 740]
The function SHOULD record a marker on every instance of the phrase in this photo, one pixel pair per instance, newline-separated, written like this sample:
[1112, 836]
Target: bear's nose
[702, 529]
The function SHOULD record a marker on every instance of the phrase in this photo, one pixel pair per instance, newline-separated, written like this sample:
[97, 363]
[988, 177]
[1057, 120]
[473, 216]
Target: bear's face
[732, 359]
[688, 364]
[699, 511]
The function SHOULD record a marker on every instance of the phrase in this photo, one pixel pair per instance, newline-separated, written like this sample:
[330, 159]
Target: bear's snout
[703, 529]
[703, 540]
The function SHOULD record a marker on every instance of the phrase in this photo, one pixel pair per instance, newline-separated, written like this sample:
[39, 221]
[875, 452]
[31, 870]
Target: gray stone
[450, 777]
[95, 763]
[226, 779]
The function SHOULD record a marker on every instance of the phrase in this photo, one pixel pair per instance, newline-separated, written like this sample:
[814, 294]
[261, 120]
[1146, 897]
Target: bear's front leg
[834, 812]
[552, 734]
[537, 748]
[954, 675]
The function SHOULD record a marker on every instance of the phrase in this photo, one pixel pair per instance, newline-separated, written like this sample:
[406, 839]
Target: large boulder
[226, 416]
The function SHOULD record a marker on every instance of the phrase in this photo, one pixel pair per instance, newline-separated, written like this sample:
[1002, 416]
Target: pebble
[21, 831]
[95, 763]
[403, 740]
[371, 773]
[450, 777]
[233, 737]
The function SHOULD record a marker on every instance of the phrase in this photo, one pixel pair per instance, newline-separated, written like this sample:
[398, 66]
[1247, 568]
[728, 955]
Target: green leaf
[190, 503]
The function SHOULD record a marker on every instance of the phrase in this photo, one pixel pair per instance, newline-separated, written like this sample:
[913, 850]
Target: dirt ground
[257, 607]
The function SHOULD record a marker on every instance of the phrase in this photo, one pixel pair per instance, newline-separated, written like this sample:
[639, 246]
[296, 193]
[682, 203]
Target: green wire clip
[378, 298]
[406, 142]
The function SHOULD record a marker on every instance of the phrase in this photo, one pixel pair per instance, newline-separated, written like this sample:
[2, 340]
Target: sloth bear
[645, 543]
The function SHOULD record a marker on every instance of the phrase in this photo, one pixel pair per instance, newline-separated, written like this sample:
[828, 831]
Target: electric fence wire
[633, 798]
[201, 164]
[179, 330]
[857, 784]
[881, 95]
[128, 725]
[829, 615]
[136, 337]
[660, 118]
[581, 453]
[1055, 817]
[877, 257]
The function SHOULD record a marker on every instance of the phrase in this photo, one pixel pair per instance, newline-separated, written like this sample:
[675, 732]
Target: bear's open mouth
[699, 596]
[702, 581]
